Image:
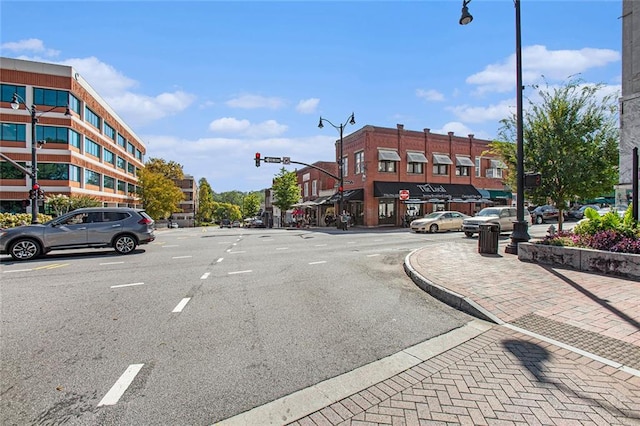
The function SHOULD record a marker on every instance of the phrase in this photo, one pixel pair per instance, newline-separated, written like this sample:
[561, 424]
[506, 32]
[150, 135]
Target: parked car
[439, 221]
[235, 224]
[173, 225]
[122, 228]
[502, 216]
[225, 223]
[541, 214]
[578, 214]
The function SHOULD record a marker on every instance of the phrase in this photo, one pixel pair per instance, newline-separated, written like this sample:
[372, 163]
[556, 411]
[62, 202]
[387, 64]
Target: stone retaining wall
[604, 262]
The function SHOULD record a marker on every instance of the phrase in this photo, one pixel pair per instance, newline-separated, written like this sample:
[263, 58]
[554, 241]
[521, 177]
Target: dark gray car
[122, 228]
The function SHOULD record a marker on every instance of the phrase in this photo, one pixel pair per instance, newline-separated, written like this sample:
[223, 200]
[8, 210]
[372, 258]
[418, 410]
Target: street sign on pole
[272, 160]
[348, 182]
[404, 194]
[286, 160]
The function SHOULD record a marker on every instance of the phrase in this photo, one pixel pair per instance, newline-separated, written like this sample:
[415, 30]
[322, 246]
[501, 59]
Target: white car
[439, 221]
[502, 216]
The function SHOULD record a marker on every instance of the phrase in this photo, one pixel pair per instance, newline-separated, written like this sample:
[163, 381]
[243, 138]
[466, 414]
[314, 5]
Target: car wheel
[468, 234]
[124, 244]
[24, 249]
[539, 220]
[433, 228]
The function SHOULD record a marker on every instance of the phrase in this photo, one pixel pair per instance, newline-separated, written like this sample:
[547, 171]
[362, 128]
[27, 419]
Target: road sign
[348, 182]
[272, 160]
[286, 160]
[404, 194]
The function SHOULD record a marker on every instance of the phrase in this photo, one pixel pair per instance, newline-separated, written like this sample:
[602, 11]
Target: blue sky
[209, 83]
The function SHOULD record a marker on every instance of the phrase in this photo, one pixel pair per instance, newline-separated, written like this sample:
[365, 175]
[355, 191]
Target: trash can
[488, 238]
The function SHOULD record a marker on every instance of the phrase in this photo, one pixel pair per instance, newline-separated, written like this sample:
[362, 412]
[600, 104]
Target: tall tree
[571, 137]
[250, 205]
[205, 201]
[160, 196]
[285, 190]
[171, 169]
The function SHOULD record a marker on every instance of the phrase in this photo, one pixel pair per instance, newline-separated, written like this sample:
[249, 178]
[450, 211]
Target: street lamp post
[35, 186]
[520, 226]
[340, 128]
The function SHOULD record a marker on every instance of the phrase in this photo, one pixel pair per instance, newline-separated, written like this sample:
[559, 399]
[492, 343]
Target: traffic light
[340, 189]
[41, 194]
[32, 194]
[257, 159]
[532, 180]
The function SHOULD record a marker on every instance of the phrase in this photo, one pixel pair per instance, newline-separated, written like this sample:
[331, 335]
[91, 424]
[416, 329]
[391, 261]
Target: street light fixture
[35, 115]
[520, 226]
[340, 128]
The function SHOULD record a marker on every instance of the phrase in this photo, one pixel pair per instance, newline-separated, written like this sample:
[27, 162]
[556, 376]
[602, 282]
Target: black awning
[348, 195]
[426, 191]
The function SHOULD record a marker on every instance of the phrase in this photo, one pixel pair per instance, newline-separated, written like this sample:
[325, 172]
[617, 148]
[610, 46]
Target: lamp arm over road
[35, 115]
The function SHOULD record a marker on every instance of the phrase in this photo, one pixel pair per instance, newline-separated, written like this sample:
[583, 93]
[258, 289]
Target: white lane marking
[377, 241]
[234, 252]
[223, 242]
[239, 272]
[373, 255]
[317, 263]
[181, 257]
[219, 259]
[320, 245]
[351, 242]
[171, 245]
[234, 244]
[125, 285]
[121, 385]
[180, 306]
[17, 270]
[205, 275]
[282, 248]
[111, 263]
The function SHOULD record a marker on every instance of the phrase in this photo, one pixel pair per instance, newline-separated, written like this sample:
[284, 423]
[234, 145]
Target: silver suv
[502, 216]
[122, 228]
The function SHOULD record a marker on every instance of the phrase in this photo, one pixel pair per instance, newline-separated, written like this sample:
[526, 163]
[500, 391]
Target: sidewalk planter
[582, 259]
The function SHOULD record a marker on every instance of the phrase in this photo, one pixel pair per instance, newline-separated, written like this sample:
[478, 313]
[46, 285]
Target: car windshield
[433, 215]
[489, 212]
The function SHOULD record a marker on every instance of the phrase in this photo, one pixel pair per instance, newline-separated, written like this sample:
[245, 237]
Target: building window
[345, 166]
[387, 160]
[122, 186]
[121, 164]
[441, 163]
[108, 182]
[131, 169]
[122, 141]
[13, 132]
[386, 212]
[386, 166]
[74, 139]
[91, 118]
[53, 171]
[495, 170]
[9, 171]
[74, 173]
[314, 188]
[463, 165]
[50, 97]
[139, 155]
[462, 171]
[415, 168]
[74, 104]
[109, 131]
[416, 162]
[90, 147]
[130, 148]
[108, 156]
[8, 90]
[52, 134]
[359, 162]
[91, 177]
[440, 169]
[478, 171]
[306, 189]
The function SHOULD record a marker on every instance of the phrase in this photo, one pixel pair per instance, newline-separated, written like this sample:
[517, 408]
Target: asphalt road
[204, 324]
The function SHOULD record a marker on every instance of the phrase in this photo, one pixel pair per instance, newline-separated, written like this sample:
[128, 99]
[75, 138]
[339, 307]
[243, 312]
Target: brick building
[185, 217]
[440, 172]
[91, 152]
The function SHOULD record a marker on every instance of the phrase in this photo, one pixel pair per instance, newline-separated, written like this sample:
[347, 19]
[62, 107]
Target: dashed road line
[180, 306]
[205, 275]
[52, 266]
[126, 285]
[181, 257]
[318, 262]
[219, 259]
[282, 248]
[320, 245]
[17, 270]
[171, 245]
[373, 255]
[121, 385]
[234, 252]
[110, 263]
[239, 272]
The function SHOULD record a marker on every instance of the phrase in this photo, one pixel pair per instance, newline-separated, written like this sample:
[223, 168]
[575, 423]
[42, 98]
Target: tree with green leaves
[160, 195]
[286, 191]
[171, 169]
[250, 205]
[571, 138]
[62, 203]
[205, 201]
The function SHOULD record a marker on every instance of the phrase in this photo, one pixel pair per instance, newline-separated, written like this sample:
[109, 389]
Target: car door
[70, 230]
[103, 226]
[506, 219]
[456, 221]
[447, 221]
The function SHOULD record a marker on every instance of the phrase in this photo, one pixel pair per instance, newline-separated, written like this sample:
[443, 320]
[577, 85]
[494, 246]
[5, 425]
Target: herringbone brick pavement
[501, 377]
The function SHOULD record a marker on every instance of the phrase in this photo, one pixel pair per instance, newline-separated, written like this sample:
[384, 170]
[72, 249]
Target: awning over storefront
[464, 161]
[416, 157]
[497, 164]
[349, 195]
[495, 194]
[388, 155]
[426, 191]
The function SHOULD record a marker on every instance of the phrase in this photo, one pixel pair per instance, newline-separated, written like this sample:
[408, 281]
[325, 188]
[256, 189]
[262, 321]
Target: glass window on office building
[109, 157]
[74, 139]
[139, 154]
[50, 97]
[8, 171]
[131, 148]
[109, 131]
[91, 117]
[122, 141]
[52, 134]
[53, 171]
[91, 177]
[109, 182]
[13, 132]
[8, 90]
[74, 104]
[90, 147]
[74, 173]
[121, 163]
[131, 169]
[122, 186]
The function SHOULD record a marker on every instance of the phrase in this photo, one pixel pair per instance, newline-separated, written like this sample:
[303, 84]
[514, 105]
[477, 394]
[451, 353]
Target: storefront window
[386, 212]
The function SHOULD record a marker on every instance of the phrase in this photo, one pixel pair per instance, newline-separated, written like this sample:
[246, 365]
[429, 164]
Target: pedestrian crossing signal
[532, 180]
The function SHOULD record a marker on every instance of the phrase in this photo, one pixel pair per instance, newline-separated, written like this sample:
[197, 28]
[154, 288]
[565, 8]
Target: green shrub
[11, 220]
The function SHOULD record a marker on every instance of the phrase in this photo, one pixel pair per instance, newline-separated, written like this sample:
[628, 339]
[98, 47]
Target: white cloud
[430, 95]
[460, 129]
[538, 61]
[104, 78]
[244, 127]
[32, 45]
[307, 106]
[138, 109]
[479, 114]
[255, 101]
